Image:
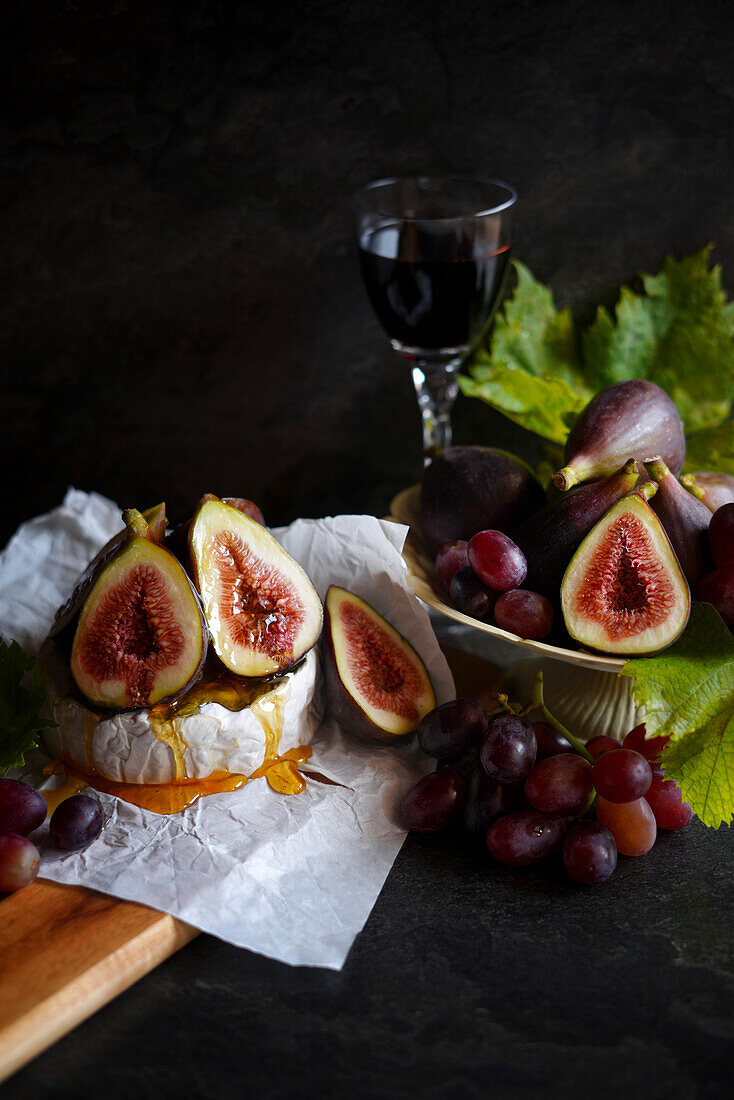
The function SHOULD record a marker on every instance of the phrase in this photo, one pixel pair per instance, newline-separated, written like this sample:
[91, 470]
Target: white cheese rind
[124, 747]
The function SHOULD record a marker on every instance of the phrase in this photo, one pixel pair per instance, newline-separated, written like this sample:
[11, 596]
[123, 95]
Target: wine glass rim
[359, 196]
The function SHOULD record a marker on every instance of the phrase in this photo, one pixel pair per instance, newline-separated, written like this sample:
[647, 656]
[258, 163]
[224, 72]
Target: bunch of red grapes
[525, 791]
[74, 823]
[483, 576]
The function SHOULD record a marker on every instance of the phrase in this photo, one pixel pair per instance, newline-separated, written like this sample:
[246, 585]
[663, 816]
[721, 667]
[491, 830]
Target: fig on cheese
[262, 610]
[377, 685]
[141, 637]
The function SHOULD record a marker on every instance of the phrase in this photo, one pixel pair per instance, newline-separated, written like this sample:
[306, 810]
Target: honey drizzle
[280, 771]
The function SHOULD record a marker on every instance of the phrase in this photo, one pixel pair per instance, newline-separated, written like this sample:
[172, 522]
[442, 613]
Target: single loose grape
[76, 822]
[525, 837]
[632, 824]
[597, 746]
[19, 862]
[470, 596]
[550, 741]
[589, 853]
[448, 731]
[560, 784]
[497, 560]
[434, 801]
[525, 613]
[621, 776]
[509, 748]
[22, 807]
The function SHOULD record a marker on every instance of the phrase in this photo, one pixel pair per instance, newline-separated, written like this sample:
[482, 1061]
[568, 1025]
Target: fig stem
[690, 483]
[656, 468]
[565, 478]
[539, 702]
[135, 523]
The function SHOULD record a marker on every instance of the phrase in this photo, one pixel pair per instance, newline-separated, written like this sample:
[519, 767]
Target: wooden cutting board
[66, 951]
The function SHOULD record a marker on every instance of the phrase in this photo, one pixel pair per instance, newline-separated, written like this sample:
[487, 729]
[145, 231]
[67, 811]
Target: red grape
[469, 595]
[433, 802]
[666, 802]
[525, 613]
[560, 784]
[508, 749]
[550, 741]
[486, 800]
[621, 776]
[22, 807]
[589, 853]
[649, 747]
[76, 822]
[721, 535]
[449, 730]
[525, 837]
[19, 862]
[718, 588]
[462, 765]
[497, 561]
[451, 557]
[597, 746]
[632, 824]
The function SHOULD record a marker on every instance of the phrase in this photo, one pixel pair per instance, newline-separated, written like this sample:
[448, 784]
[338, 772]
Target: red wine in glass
[432, 297]
[433, 253]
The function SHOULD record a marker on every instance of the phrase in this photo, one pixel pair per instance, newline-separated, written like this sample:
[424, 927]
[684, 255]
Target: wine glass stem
[436, 388]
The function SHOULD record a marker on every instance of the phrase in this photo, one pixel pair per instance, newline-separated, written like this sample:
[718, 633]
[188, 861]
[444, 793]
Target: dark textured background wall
[180, 304]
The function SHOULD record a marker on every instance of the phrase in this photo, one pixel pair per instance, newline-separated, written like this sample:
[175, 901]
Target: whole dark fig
[634, 419]
[470, 489]
[685, 519]
[710, 487]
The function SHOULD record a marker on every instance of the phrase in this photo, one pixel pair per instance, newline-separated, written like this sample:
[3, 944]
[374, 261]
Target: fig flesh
[711, 488]
[549, 538]
[262, 611]
[141, 637]
[635, 418]
[685, 519]
[471, 489]
[624, 591]
[377, 685]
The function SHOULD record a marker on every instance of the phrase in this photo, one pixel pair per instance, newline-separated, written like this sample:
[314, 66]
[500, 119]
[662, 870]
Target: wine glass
[433, 253]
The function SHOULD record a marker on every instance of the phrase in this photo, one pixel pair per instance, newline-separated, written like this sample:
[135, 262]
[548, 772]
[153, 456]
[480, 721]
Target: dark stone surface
[469, 980]
[181, 311]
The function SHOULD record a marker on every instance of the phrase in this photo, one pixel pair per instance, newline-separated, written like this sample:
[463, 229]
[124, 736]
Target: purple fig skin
[634, 418]
[550, 538]
[685, 519]
[711, 488]
[471, 489]
[717, 588]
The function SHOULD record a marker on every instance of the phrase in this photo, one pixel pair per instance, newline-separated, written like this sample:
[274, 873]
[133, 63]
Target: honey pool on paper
[281, 771]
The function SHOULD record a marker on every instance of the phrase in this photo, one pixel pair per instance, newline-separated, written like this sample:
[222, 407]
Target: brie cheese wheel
[140, 746]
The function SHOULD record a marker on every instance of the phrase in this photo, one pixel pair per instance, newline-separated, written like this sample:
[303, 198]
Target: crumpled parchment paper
[290, 877]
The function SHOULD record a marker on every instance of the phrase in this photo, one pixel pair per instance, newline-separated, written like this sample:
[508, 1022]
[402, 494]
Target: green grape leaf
[712, 449]
[546, 406]
[688, 694]
[23, 699]
[677, 334]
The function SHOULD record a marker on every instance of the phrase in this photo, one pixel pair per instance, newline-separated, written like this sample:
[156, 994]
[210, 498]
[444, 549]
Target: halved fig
[262, 611]
[377, 686]
[141, 637]
[155, 520]
[624, 591]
